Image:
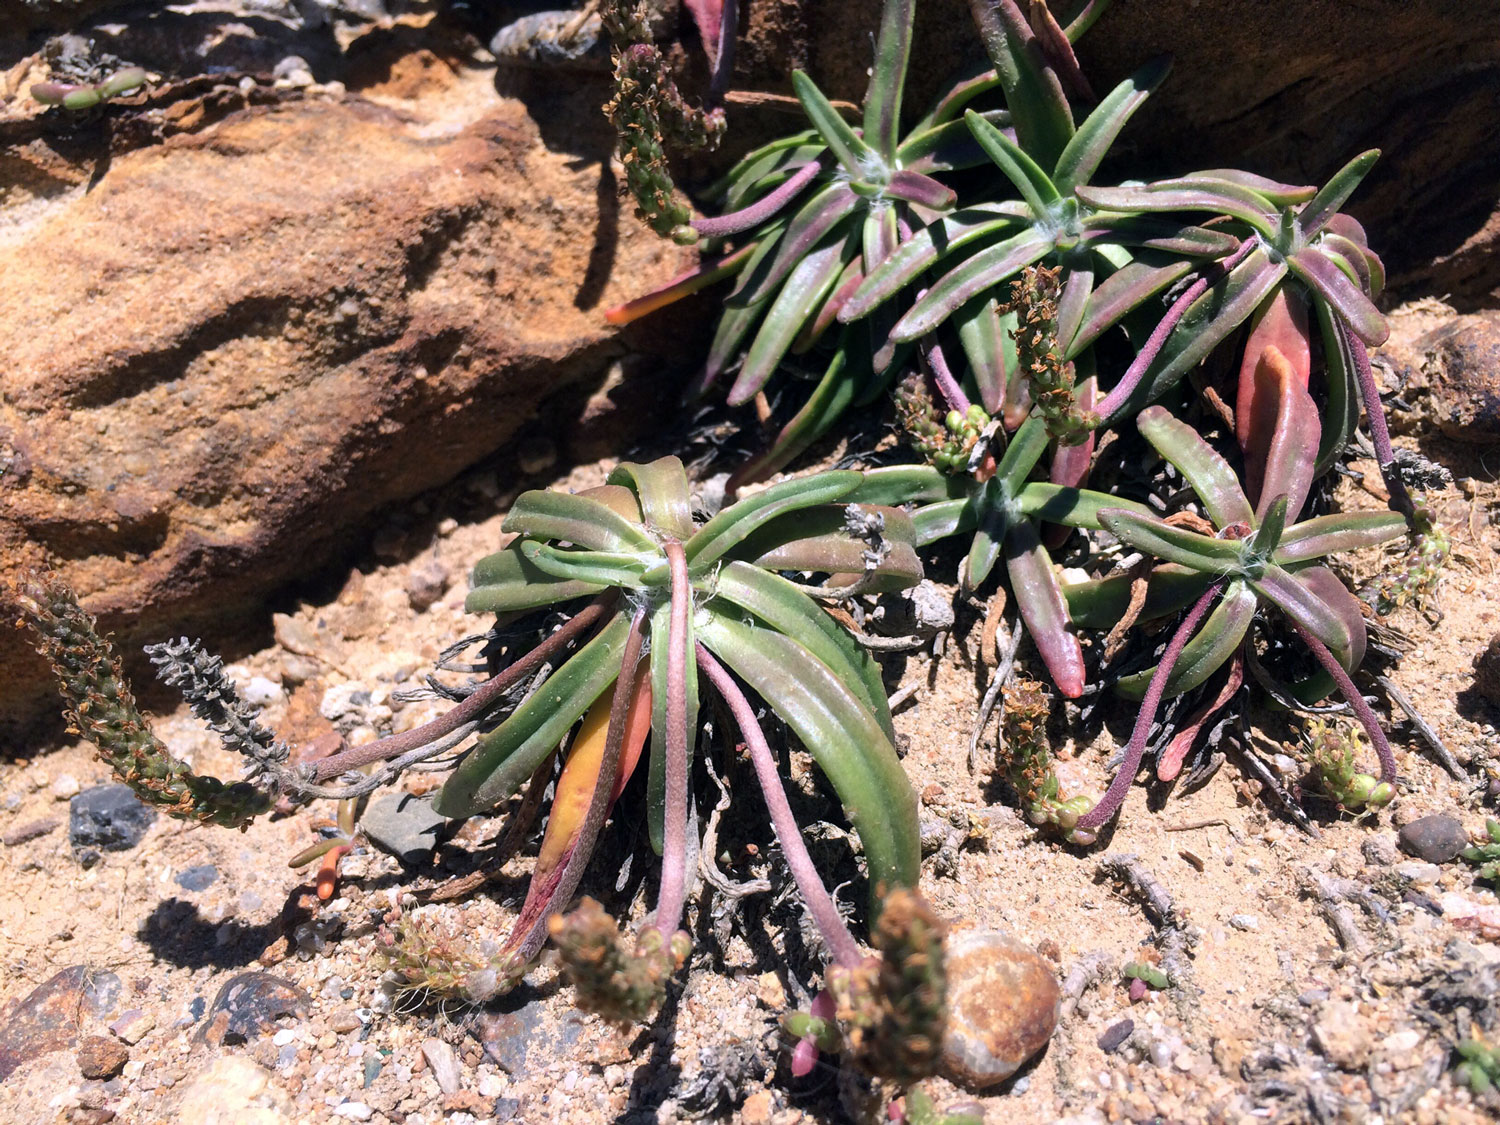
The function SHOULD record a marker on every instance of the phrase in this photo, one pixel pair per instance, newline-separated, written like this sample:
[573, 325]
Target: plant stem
[525, 945]
[815, 896]
[479, 701]
[1362, 710]
[762, 209]
[1122, 390]
[1380, 433]
[673, 892]
[1114, 796]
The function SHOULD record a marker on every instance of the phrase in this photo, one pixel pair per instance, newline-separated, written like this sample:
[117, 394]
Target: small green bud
[954, 421]
[131, 78]
[1382, 795]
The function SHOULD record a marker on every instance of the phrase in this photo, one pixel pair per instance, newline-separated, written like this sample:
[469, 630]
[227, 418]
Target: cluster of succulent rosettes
[648, 110]
[71, 96]
[1487, 854]
[1415, 577]
[1028, 763]
[892, 1008]
[618, 980]
[1479, 1066]
[1333, 748]
[100, 707]
[1051, 379]
[945, 440]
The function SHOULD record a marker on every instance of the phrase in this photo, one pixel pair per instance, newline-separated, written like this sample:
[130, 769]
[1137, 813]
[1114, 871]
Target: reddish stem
[1380, 434]
[1362, 710]
[815, 896]
[479, 701]
[947, 385]
[1122, 390]
[762, 209]
[673, 892]
[1135, 749]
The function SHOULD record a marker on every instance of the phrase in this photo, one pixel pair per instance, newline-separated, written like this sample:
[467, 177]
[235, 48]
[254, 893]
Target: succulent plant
[76, 97]
[1257, 557]
[690, 596]
[1487, 854]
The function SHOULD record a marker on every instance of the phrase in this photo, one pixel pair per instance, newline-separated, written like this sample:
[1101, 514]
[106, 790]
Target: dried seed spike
[101, 708]
[621, 984]
[1052, 379]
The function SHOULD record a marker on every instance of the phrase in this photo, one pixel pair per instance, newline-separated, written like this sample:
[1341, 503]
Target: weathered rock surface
[1003, 1004]
[48, 1018]
[1286, 89]
[239, 343]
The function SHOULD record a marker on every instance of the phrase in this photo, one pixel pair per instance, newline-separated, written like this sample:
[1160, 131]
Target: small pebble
[101, 1057]
[353, 1111]
[444, 1062]
[65, 787]
[197, 878]
[133, 1026]
[1003, 1002]
[1436, 839]
[1380, 851]
[1249, 923]
[258, 691]
[1114, 1036]
[1422, 874]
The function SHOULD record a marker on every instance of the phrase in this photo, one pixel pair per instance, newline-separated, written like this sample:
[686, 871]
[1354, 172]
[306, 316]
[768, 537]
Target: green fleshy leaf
[734, 524]
[1209, 475]
[505, 582]
[1172, 544]
[1099, 130]
[662, 486]
[1336, 533]
[858, 158]
[1028, 178]
[600, 568]
[1213, 644]
[590, 523]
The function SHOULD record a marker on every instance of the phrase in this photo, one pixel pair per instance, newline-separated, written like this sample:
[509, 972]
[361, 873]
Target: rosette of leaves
[1259, 558]
[1005, 513]
[814, 213]
[683, 597]
[1111, 261]
[1298, 243]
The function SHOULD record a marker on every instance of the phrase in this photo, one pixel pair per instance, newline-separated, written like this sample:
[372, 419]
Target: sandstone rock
[234, 1091]
[1461, 372]
[240, 344]
[47, 1019]
[1003, 1004]
[101, 1057]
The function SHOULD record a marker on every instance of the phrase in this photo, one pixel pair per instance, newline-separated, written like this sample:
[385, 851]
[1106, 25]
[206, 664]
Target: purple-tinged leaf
[1185, 195]
[825, 406]
[1085, 19]
[989, 535]
[924, 248]
[1100, 603]
[1294, 445]
[980, 79]
[1206, 472]
[1058, 51]
[947, 517]
[1099, 130]
[888, 78]
[1207, 321]
[1350, 257]
[1279, 323]
[1169, 760]
[1330, 590]
[842, 736]
[1151, 232]
[1028, 178]
[895, 485]
[1216, 642]
[924, 191]
[1335, 193]
[1344, 224]
[814, 221]
[1272, 524]
[1043, 121]
[1078, 286]
[799, 299]
[880, 234]
[734, 524]
[948, 147]
[752, 178]
[1336, 533]
[991, 355]
[1025, 449]
[506, 581]
[981, 271]
[595, 568]
[850, 280]
[1341, 411]
[815, 539]
[852, 152]
[1277, 194]
[1301, 599]
[1154, 536]
[1039, 597]
[1121, 293]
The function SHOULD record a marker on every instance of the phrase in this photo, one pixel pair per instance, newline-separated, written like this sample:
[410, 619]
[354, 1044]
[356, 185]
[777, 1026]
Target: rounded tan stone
[1003, 1002]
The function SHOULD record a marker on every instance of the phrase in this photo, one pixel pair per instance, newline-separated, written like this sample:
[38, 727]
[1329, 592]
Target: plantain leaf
[1039, 597]
[1156, 537]
[600, 568]
[1206, 472]
[1187, 195]
[906, 484]
[785, 608]
[1100, 603]
[662, 486]
[586, 521]
[1039, 109]
[1099, 130]
[843, 737]
[1341, 411]
[854, 154]
[735, 524]
[1303, 600]
[1121, 293]
[502, 760]
[506, 581]
[991, 354]
[1334, 286]
[815, 539]
[1028, 178]
[980, 272]
[1214, 643]
[1294, 445]
[1336, 533]
[888, 78]
[1071, 507]
[1335, 193]
[806, 230]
